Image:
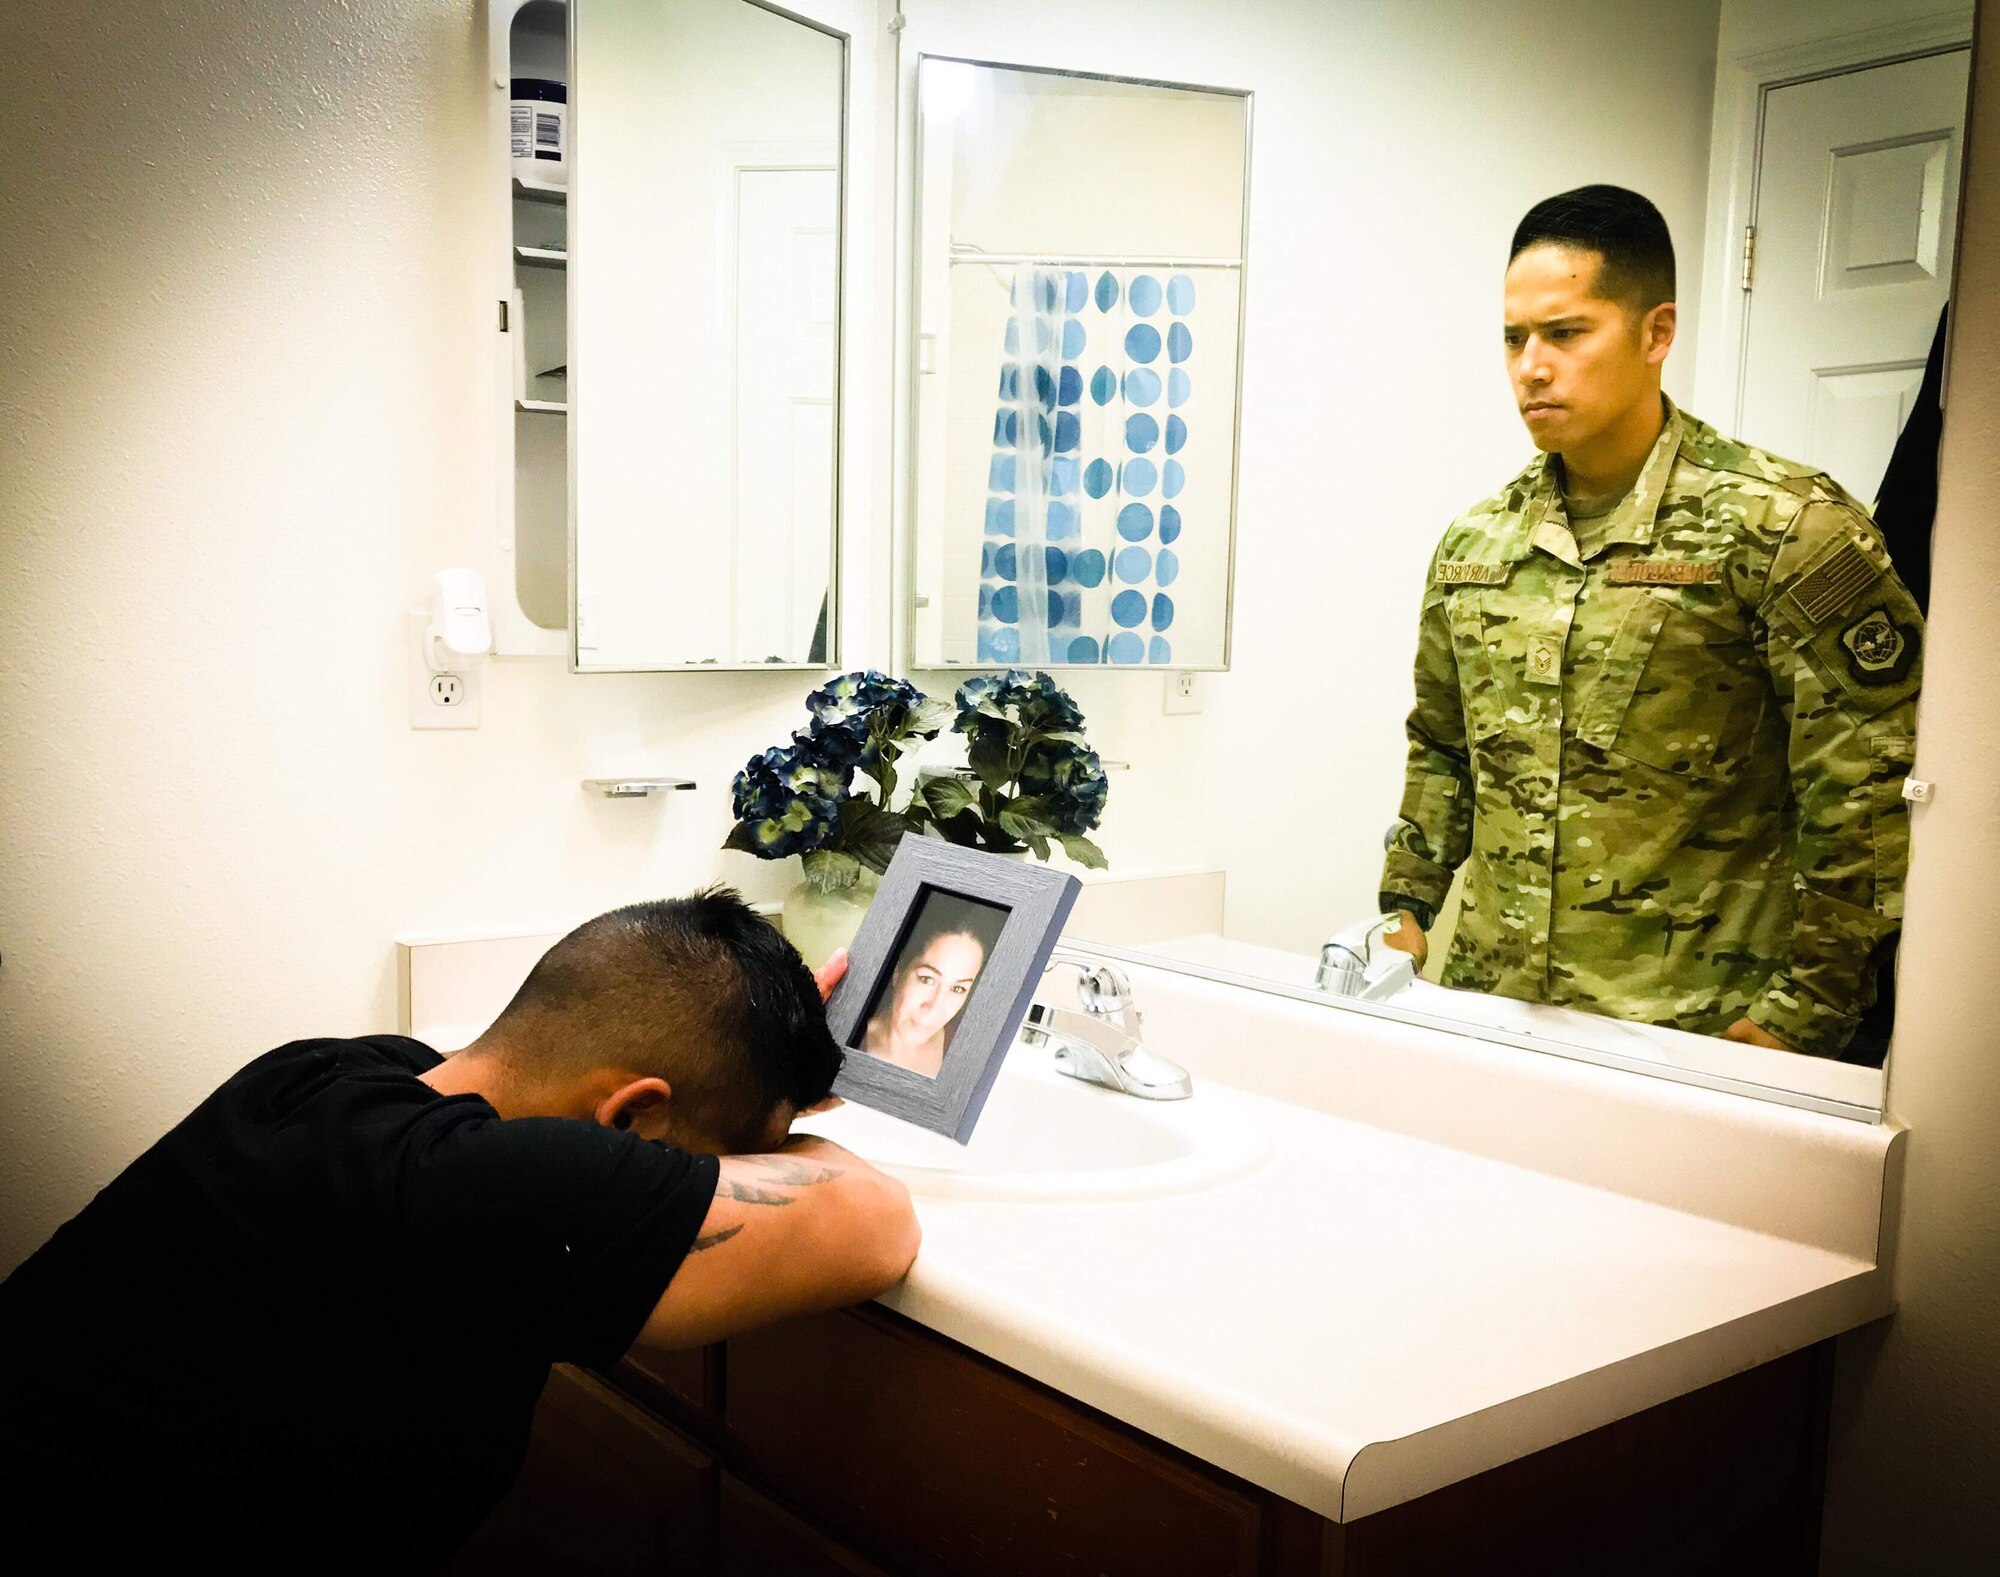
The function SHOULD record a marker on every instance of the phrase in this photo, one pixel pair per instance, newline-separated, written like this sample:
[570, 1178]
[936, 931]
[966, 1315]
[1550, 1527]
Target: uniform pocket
[1479, 692]
[1678, 687]
[1891, 757]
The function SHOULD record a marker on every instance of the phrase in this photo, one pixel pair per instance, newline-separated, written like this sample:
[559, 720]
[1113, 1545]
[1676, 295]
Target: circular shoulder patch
[1879, 650]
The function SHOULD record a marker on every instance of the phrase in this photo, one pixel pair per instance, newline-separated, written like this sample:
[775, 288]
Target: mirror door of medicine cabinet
[1079, 252]
[706, 216]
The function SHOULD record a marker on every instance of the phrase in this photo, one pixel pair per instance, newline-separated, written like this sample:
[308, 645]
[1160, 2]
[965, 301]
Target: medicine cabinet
[685, 511]
[528, 561]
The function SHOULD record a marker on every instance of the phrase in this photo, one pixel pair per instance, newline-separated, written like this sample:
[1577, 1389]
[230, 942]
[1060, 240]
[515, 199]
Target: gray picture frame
[1037, 901]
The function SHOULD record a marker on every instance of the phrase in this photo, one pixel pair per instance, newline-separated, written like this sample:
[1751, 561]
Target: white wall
[248, 346]
[1916, 1423]
[1394, 147]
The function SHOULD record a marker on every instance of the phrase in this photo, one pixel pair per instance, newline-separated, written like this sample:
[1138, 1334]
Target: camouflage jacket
[1674, 769]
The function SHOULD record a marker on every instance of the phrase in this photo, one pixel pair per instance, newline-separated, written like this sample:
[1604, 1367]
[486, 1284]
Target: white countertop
[1373, 1314]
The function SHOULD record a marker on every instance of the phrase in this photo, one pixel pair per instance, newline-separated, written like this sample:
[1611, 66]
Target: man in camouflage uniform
[1666, 689]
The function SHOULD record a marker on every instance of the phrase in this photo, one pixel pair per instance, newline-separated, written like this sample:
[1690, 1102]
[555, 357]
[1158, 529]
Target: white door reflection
[1856, 217]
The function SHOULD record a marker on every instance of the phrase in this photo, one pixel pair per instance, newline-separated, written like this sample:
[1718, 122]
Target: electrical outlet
[1183, 693]
[447, 700]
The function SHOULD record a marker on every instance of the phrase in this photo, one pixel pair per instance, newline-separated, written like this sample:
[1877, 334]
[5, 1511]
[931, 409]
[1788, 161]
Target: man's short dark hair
[1623, 228]
[700, 991]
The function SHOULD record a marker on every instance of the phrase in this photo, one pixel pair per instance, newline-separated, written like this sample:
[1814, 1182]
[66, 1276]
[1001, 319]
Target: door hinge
[503, 317]
[1749, 254]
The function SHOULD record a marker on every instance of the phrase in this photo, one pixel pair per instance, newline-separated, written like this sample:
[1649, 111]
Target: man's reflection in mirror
[1666, 688]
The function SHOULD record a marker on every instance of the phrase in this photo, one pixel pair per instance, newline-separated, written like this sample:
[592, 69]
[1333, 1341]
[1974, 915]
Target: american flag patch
[1832, 583]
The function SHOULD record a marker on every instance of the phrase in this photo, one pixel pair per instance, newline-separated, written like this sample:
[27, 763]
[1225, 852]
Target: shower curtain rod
[1078, 260]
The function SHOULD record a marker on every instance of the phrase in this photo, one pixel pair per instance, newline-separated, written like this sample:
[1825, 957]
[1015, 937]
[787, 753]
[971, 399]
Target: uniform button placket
[1548, 749]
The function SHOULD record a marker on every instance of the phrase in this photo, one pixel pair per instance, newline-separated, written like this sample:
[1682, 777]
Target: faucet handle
[1102, 987]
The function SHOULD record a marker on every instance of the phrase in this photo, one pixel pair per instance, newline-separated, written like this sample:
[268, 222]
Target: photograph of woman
[918, 1011]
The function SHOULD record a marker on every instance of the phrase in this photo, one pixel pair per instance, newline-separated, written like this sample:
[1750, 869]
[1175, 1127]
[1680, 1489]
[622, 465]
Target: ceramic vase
[819, 924]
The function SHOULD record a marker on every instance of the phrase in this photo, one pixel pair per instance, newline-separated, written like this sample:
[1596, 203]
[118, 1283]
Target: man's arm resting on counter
[808, 1228]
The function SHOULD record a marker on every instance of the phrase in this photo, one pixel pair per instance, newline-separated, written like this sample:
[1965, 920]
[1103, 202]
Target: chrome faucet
[1357, 963]
[1098, 1040]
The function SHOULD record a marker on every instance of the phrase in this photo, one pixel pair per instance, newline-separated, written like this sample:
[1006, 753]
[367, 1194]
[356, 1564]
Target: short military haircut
[1621, 227]
[700, 991]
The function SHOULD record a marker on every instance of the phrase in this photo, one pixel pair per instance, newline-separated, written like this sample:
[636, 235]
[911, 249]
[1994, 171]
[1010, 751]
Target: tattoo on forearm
[748, 1194]
[710, 1239]
[781, 1172]
[796, 1174]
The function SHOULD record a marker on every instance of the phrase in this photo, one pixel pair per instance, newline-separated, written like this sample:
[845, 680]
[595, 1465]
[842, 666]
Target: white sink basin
[1044, 1135]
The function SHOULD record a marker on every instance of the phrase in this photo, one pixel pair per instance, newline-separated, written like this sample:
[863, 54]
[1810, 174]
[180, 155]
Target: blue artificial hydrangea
[804, 826]
[801, 799]
[836, 747]
[1033, 703]
[1070, 777]
[859, 694]
[859, 717]
[787, 802]
[979, 687]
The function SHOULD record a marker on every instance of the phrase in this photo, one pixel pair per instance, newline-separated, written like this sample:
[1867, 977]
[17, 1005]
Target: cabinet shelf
[540, 191]
[526, 560]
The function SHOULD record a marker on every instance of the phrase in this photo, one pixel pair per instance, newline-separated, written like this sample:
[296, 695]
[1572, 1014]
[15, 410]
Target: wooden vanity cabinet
[607, 1488]
[684, 1387]
[758, 1536]
[941, 1463]
[860, 1444]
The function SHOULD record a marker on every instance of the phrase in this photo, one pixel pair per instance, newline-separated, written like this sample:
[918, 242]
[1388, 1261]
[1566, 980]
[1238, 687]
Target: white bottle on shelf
[538, 130]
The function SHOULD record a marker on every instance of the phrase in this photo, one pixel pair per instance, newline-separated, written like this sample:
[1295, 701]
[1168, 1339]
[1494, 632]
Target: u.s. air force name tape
[1464, 572]
[1662, 572]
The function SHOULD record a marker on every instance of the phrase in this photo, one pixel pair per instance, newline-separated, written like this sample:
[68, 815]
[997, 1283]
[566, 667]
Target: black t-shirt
[308, 1327]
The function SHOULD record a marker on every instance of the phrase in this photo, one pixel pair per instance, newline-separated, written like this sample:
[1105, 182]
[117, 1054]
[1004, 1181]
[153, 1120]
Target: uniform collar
[1631, 522]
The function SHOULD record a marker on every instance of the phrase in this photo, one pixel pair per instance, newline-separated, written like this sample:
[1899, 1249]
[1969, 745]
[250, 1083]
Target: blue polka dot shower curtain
[1081, 515]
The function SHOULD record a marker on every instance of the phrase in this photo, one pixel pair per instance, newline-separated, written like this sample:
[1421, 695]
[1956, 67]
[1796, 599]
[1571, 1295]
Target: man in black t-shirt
[306, 1330]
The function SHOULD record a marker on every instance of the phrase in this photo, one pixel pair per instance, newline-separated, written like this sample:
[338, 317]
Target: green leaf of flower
[1027, 818]
[1083, 851]
[829, 870]
[988, 760]
[928, 717]
[869, 833]
[946, 797]
[964, 829]
[740, 838]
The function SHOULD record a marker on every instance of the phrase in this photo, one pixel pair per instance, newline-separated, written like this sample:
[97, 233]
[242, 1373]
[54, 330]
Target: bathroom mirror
[1079, 260]
[706, 212]
[1806, 161]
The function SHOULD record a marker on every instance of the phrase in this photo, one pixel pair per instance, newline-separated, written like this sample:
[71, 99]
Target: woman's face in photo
[935, 987]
